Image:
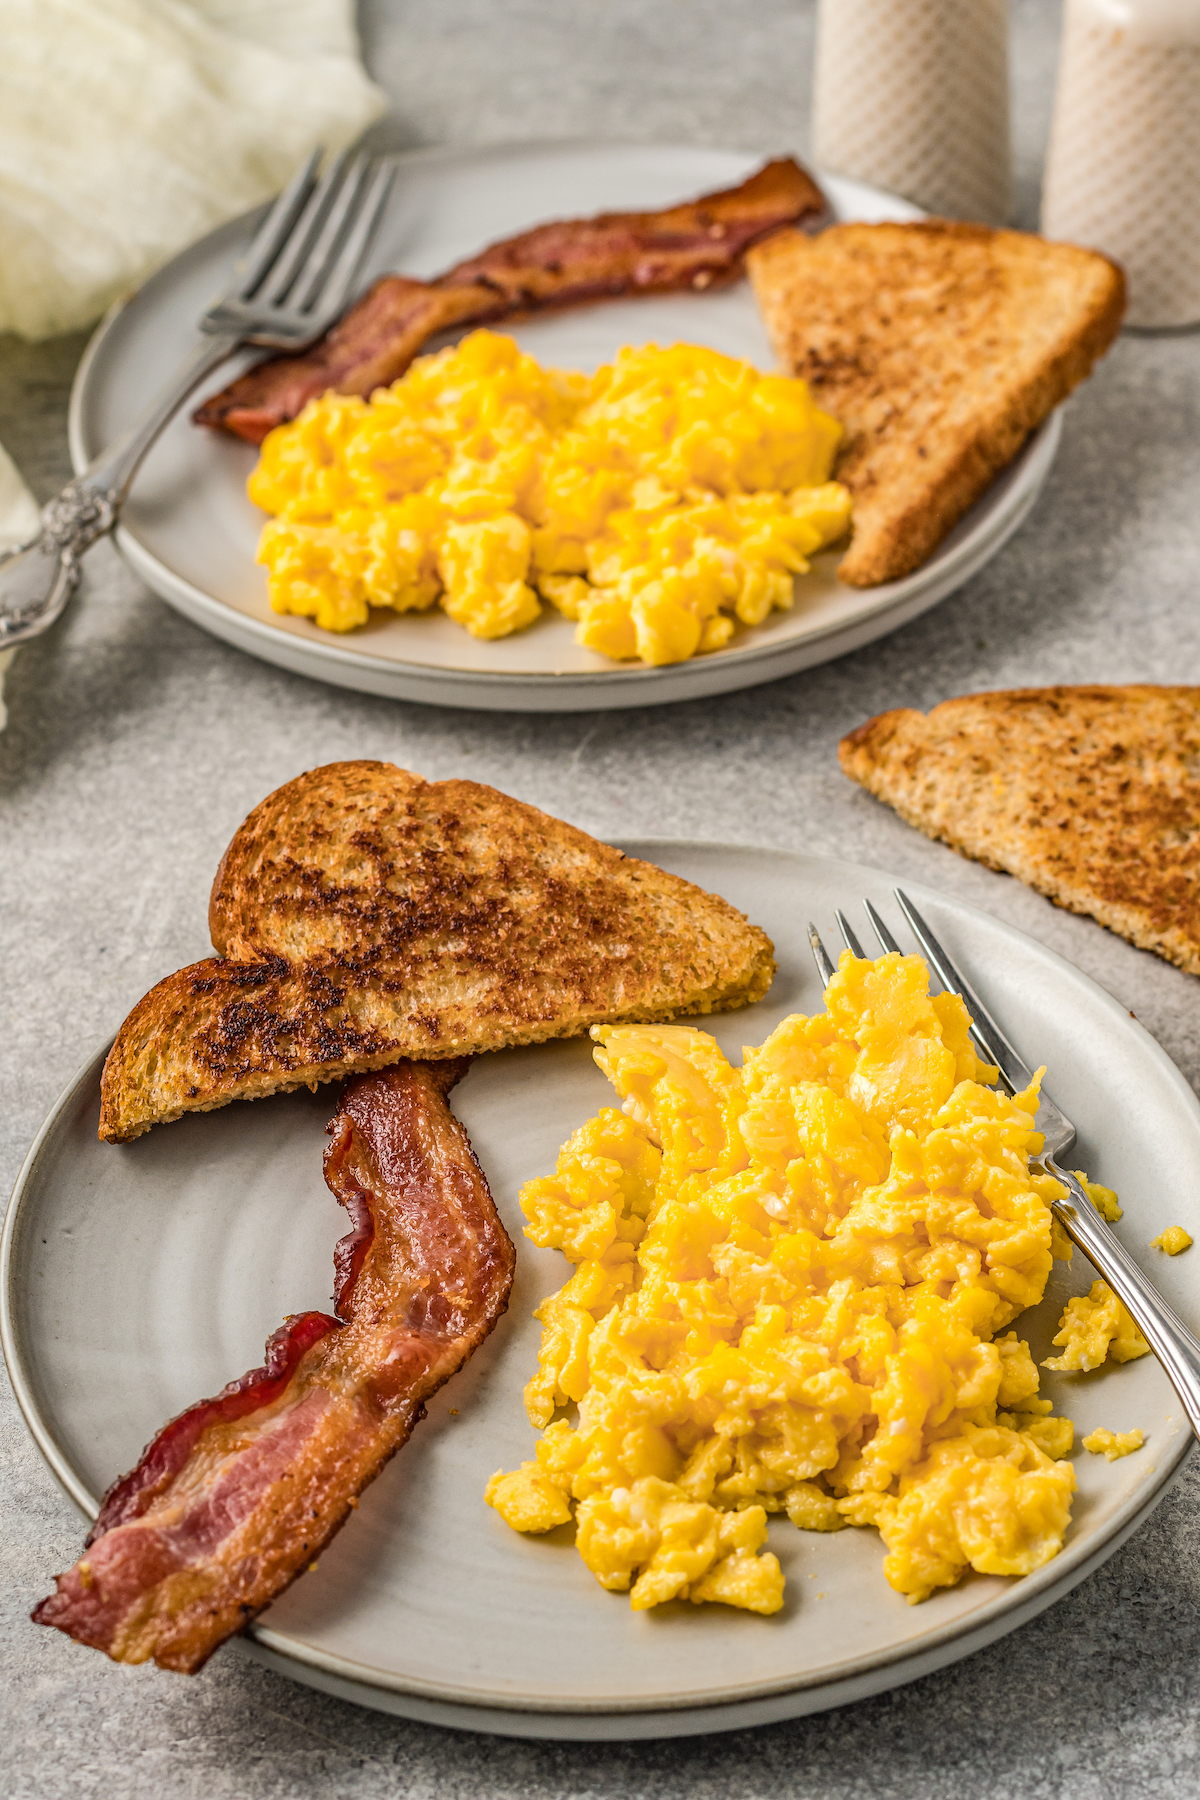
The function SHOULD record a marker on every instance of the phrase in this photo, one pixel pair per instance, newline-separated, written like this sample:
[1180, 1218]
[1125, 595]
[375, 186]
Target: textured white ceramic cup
[1123, 168]
[912, 95]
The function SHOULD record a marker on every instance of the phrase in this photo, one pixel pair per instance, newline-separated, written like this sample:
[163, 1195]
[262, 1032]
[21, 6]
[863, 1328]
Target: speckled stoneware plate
[191, 533]
[137, 1279]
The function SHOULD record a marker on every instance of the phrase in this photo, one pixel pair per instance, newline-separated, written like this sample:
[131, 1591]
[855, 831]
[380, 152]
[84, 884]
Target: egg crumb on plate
[1112, 1444]
[792, 1288]
[1093, 1328]
[1174, 1240]
[660, 503]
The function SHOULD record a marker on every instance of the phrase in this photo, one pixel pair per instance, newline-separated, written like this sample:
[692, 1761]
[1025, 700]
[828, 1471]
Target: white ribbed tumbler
[1123, 169]
[912, 95]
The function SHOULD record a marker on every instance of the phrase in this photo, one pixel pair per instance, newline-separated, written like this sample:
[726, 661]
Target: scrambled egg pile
[791, 1291]
[659, 503]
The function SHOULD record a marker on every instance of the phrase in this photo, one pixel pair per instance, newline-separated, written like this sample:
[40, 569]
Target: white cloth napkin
[18, 521]
[130, 127]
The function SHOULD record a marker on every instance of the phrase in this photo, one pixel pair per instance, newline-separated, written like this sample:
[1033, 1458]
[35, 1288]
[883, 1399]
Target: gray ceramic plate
[137, 1279]
[191, 533]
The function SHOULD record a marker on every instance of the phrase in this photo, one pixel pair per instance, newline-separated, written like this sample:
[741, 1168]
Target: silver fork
[1177, 1350]
[294, 282]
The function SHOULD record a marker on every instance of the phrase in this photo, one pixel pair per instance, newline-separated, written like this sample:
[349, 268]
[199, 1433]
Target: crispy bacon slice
[697, 245]
[238, 1494]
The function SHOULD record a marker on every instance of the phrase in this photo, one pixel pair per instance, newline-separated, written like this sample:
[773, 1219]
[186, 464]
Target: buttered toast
[362, 914]
[1089, 794]
[939, 347]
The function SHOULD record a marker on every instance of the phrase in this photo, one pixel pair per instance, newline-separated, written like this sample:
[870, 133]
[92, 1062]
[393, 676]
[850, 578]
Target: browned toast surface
[362, 914]
[939, 347]
[1089, 794]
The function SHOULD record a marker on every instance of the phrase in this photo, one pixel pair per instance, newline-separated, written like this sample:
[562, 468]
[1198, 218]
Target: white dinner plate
[190, 532]
[136, 1279]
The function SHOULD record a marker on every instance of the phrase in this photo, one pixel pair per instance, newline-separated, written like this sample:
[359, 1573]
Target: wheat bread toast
[362, 914]
[1091, 795]
[939, 347]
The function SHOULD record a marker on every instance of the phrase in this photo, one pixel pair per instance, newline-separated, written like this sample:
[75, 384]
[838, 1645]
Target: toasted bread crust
[362, 915]
[1091, 795]
[940, 347]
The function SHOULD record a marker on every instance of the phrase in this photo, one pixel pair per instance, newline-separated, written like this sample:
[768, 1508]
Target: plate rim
[621, 685]
[1007, 1610]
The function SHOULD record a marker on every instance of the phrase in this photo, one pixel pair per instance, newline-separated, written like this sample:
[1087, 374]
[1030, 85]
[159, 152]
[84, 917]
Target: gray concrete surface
[136, 742]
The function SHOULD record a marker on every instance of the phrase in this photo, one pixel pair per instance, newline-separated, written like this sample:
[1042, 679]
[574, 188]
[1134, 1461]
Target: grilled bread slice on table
[939, 347]
[1089, 794]
[362, 914]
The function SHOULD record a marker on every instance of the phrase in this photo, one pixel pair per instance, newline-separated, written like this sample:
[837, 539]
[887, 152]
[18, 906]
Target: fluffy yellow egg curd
[1094, 1328]
[792, 1287]
[1174, 1240]
[1113, 1444]
[660, 503]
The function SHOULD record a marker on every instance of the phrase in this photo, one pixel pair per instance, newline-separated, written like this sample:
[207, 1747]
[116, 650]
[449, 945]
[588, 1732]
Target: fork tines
[821, 957]
[887, 942]
[990, 1041]
[276, 228]
[826, 967]
[851, 942]
[308, 251]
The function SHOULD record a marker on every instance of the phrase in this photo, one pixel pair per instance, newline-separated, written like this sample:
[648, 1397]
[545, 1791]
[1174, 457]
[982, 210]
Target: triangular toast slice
[362, 914]
[939, 347]
[1089, 794]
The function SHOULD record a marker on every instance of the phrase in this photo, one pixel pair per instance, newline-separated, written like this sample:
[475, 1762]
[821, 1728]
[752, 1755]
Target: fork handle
[38, 577]
[112, 472]
[1173, 1344]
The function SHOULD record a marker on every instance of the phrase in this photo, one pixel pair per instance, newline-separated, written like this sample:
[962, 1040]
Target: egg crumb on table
[660, 503]
[1174, 1240]
[792, 1288]
[1112, 1444]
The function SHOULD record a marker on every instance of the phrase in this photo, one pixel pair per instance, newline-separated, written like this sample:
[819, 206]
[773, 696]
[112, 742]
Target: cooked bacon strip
[697, 245]
[239, 1494]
